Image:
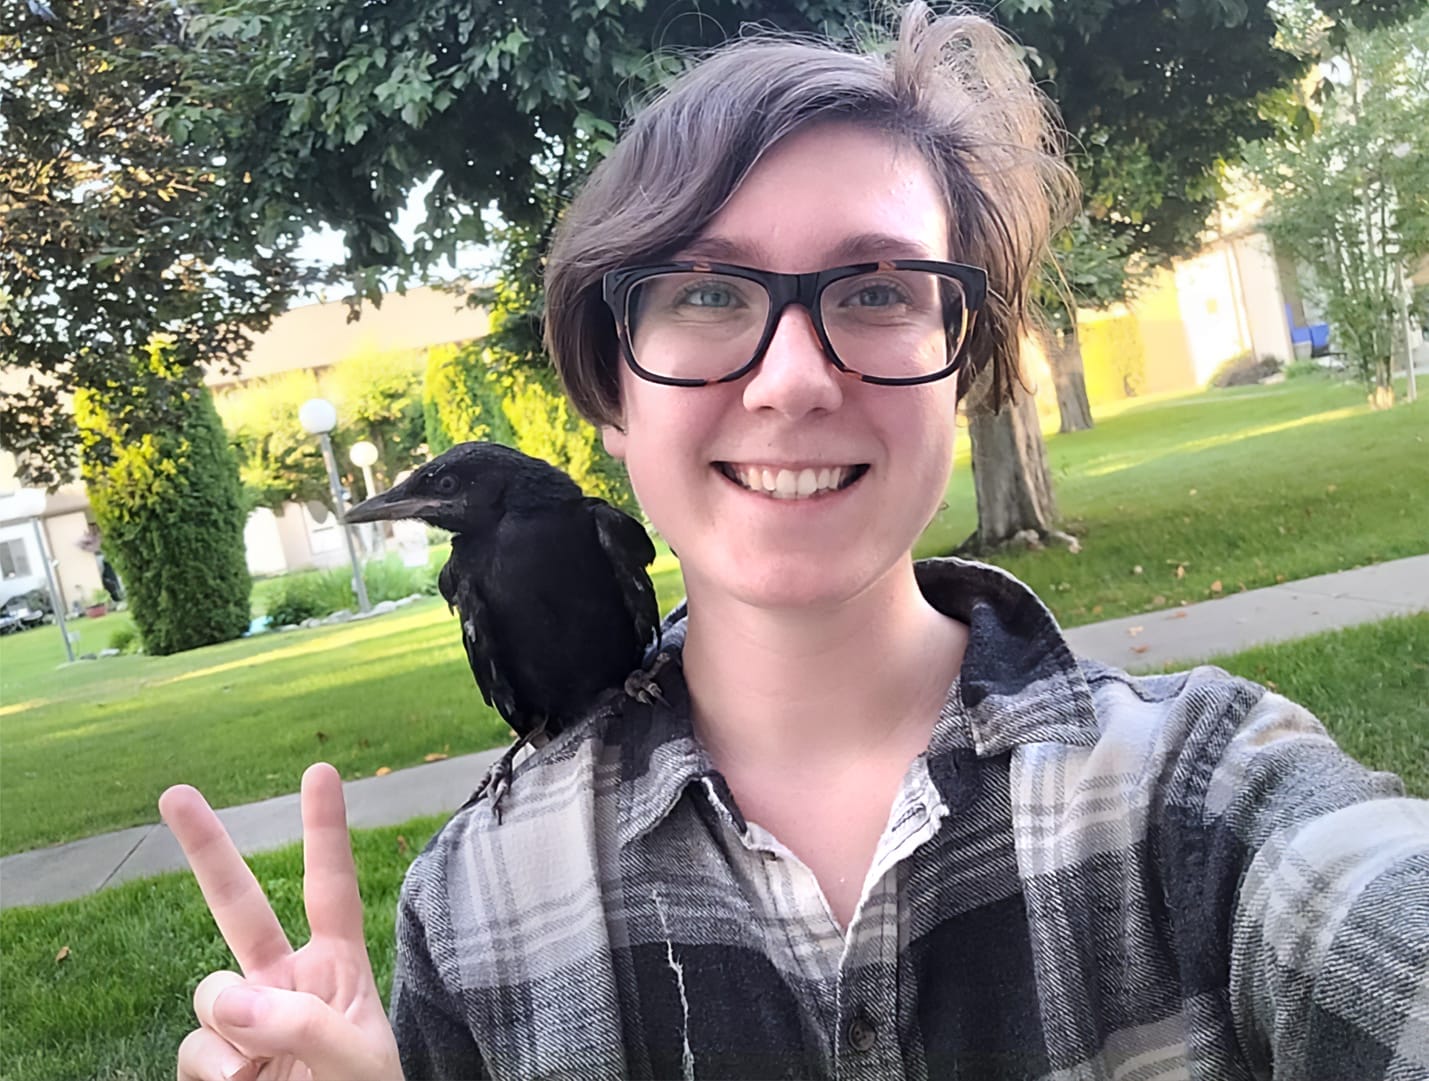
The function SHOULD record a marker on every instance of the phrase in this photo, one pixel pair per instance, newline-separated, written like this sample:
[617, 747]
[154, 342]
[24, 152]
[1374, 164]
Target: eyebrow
[857, 248]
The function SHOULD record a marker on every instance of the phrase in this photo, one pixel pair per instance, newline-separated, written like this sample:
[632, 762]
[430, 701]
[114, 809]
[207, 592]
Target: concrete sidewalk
[1150, 640]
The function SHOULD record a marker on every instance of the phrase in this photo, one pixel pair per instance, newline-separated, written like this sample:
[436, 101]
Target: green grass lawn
[88, 747]
[1288, 481]
[118, 1004]
[1245, 487]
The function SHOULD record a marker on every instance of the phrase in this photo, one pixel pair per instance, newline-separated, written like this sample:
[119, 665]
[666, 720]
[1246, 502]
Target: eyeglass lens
[892, 324]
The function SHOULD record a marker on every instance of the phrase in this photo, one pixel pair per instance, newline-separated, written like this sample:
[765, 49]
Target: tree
[1089, 269]
[278, 462]
[378, 398]
[168, 504]
[119, 227]
[1348, 186]
[1156, 98]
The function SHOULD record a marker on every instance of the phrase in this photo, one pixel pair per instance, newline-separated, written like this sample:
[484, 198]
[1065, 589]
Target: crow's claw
[641, 685]
[643, 689]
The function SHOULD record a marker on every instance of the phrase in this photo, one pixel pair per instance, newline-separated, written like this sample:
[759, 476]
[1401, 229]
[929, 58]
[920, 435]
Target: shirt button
[861, 1032]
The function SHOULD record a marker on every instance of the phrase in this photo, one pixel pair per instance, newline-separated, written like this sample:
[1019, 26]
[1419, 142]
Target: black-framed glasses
[897, 323]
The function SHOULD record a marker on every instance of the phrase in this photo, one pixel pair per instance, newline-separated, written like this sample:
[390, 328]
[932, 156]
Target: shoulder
[1215, 742]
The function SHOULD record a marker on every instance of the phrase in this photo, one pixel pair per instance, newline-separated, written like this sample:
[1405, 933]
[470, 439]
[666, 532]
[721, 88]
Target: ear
[614, 439]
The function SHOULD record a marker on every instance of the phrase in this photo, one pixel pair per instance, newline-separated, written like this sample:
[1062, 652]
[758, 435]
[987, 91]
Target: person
[880, 821]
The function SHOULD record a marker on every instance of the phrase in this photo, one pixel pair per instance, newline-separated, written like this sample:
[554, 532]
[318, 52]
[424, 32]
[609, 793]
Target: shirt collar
[1019, 685]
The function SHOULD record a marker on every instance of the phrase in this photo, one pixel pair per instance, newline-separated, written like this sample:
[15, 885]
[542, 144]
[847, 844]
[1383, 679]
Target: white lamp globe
[317, 415]
[363, 454]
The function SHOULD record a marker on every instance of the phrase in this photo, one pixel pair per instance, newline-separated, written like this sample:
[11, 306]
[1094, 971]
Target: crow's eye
[446, 484]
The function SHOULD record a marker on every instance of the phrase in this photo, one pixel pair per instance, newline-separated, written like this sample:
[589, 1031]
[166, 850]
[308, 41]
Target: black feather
[551, 586]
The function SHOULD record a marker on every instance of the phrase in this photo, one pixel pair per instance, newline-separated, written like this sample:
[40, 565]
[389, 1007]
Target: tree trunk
[1064, 355]
[1014, 486]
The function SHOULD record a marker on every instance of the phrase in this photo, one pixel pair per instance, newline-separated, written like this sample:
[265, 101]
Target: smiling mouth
[792, 483]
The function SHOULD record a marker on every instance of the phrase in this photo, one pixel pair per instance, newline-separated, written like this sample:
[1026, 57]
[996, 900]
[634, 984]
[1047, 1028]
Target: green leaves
[1347, 179]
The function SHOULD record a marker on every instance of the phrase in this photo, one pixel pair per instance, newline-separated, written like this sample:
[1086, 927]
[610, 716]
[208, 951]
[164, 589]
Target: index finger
[239, 907]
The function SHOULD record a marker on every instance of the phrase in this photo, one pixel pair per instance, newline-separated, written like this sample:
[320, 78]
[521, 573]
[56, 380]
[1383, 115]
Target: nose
[794, 377]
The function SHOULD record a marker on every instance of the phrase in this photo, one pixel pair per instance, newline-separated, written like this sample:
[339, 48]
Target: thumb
[270, 1023]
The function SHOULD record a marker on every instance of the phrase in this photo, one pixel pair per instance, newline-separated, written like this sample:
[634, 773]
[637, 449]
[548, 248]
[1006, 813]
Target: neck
[800, 688]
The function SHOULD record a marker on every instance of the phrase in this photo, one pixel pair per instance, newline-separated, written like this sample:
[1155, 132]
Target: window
[14, 560]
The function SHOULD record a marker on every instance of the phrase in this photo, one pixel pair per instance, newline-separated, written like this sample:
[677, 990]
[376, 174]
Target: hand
[311, 1014]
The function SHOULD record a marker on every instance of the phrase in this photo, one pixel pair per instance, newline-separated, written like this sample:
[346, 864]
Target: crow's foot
[641, 686]
[498, 778]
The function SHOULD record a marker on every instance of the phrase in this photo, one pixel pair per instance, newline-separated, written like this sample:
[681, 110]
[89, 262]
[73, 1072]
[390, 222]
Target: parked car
[24, 611]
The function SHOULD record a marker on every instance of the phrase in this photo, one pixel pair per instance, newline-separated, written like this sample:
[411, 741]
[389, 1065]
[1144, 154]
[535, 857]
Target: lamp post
[364, 455]
[318, 416]
[30, 503]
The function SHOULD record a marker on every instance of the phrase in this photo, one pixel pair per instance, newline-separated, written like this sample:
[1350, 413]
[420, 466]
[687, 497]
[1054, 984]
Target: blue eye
[709, 295]
[876, 296]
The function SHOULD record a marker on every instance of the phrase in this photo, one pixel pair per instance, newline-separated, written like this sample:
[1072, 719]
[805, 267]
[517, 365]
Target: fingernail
[240, 1069]
[240, 1007]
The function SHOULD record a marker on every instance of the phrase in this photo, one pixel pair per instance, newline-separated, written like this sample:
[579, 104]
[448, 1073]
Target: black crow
[556, 606]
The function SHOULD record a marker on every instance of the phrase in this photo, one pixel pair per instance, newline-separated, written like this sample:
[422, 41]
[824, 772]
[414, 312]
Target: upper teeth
[790, 483]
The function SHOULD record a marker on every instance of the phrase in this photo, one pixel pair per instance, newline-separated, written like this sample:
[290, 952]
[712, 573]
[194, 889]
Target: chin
[791, 581]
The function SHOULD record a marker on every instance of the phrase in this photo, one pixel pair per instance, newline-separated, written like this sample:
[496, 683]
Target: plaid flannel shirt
[1087, 875]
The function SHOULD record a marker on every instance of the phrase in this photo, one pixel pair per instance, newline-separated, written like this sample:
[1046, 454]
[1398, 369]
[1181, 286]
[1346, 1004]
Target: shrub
[462, 398]
[164, 488]
[125, 640]
[1245, 369]
[314, 594]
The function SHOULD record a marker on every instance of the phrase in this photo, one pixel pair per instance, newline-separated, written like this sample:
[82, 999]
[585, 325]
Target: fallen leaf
[435, 756]
[64, 953]
[1193, 491]
[382, 771]
[1272, 684]
[402, 845]
[1136, 569]
[1139, 649]
[1096, 609]
[1181, 570]
[1180, 613]
[1158, 600]
[1216, 586]
[1134, 631]
[1280, 577]
[1331, 487]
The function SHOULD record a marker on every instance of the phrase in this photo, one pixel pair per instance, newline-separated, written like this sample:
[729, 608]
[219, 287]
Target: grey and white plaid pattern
[1087, 876]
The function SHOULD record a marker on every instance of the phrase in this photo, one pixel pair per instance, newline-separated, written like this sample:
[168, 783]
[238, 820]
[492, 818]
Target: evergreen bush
[168, 503]
[462, 398]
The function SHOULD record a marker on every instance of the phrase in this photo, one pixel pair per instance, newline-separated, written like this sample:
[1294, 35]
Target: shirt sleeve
[1329, 908]
[433, 1038]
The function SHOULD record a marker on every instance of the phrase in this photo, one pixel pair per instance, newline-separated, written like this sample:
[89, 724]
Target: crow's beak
[391, 505]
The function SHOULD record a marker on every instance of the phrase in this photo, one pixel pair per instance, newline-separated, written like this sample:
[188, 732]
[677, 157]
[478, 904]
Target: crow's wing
[629, 550]
[461, 594]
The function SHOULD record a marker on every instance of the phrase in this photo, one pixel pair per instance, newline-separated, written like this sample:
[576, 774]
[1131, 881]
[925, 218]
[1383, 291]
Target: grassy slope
[1244, 487]
[118, 1005]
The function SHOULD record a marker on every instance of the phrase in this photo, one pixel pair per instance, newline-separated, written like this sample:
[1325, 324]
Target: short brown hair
[952, 87]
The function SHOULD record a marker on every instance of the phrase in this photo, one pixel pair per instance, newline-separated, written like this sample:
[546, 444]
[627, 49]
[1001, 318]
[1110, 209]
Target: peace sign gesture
[310, 1014]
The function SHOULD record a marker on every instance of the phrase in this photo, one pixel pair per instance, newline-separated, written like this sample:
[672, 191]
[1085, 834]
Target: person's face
[698, 456]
